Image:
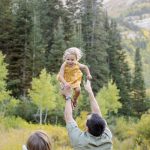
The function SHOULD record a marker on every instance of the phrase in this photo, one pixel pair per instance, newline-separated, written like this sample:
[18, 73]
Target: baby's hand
[89, 77]
[67, 85]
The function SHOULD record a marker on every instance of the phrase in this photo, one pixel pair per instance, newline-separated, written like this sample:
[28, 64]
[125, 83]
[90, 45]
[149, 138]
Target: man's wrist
[68, 98]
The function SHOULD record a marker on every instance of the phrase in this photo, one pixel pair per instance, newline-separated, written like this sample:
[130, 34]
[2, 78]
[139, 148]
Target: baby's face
[71, 60]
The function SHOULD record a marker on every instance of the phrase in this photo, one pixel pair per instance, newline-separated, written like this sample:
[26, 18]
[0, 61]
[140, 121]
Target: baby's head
[39, 140]
[73, 51]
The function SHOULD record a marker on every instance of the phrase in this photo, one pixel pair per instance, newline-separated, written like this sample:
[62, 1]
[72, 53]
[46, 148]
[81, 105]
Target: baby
[70, 74]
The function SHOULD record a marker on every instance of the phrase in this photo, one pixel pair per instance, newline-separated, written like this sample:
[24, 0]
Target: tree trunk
[56, 120]
[40, 116]
[45, 116]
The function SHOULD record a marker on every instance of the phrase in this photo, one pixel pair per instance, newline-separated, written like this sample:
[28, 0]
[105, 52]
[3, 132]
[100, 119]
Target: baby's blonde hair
[73, 51]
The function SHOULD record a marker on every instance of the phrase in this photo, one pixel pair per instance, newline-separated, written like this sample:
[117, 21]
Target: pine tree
[72, 20]
[77, 37]
[94, 36]
[138, 86]
[20, 71]
[119, 69]
[6, 27]
[37, 42]
[51, 11]
[7, 103]
[57, 49]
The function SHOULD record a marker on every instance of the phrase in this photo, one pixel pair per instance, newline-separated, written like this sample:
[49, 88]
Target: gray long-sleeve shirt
[85, 141]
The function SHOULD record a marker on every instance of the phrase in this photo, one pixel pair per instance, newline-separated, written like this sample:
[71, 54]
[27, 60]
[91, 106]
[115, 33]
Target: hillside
[133, 17]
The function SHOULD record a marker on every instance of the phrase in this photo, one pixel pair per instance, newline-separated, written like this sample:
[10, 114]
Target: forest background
[33, 37]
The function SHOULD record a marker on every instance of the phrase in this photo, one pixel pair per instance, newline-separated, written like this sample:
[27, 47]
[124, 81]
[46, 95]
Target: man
[97, 136]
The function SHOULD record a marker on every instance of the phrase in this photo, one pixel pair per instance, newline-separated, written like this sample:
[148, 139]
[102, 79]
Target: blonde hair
[39, 140]
[73, 51]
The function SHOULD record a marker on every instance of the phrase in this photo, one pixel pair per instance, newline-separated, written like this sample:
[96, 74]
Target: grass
[12, 138]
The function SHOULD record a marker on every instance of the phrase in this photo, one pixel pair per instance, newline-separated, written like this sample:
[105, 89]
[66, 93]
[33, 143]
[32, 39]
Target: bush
[26, 110]
[124, 129]
[12, 122]
[81, 120]
[143, 131]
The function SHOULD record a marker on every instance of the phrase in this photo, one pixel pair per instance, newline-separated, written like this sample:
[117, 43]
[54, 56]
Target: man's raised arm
[68, 106]
[94, 105]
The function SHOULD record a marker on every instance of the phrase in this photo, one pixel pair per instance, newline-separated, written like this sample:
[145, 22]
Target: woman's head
[39, 140]
[76, 52]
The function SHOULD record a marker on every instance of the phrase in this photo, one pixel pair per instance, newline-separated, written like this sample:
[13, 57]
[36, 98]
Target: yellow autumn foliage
[146, 33]
[124, 129]
[143, 131]
[81, 120]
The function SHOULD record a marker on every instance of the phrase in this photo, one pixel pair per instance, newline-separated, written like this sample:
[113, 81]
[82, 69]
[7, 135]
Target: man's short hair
[96, 124]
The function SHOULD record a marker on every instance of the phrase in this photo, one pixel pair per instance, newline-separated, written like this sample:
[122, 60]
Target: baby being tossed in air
[70, 74]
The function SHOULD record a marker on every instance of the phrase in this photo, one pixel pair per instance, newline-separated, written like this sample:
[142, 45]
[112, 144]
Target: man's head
[95, 124]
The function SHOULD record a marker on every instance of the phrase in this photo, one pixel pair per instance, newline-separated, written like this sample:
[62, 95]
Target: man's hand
[67, 91]
[89, 77]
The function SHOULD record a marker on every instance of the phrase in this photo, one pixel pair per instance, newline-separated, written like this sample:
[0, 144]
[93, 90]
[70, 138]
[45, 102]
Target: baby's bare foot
[74, 103]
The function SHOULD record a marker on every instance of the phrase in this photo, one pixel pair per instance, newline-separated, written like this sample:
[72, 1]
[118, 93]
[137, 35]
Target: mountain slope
[133, 17]
[116, 7]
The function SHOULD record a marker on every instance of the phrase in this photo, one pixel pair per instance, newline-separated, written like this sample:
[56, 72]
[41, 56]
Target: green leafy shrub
[124, 129]
[12, 122]
[143, 131]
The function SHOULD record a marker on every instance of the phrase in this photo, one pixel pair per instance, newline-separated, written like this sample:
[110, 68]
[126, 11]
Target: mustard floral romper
[73, 75]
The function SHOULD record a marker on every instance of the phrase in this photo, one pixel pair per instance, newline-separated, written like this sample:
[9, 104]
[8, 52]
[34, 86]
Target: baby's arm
[61, 75]
[86, 69]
